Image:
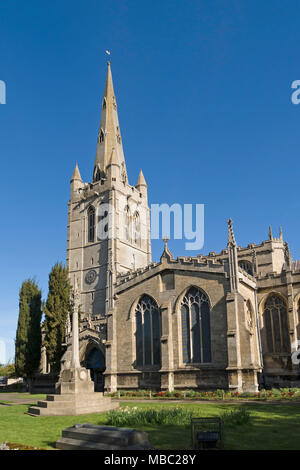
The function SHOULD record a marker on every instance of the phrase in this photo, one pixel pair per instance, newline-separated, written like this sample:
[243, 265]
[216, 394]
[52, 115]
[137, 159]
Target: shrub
[276, 392]
[191, 393]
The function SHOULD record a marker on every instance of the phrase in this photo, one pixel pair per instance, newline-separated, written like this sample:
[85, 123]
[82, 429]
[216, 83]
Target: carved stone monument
[75, 390]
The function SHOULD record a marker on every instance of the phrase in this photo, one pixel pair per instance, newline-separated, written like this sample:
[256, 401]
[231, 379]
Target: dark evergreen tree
[57, 307]
[28, 337]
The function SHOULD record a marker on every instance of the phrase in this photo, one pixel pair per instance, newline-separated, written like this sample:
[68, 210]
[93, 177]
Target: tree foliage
[57, 307]
[28, 337]
[7, 370]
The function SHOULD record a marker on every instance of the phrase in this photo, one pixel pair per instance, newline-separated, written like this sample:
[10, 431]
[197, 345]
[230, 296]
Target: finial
[108, 53]
[270, 233]
[165, 240]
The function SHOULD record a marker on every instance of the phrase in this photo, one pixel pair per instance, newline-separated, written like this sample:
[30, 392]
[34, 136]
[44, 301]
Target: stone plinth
[92, 437]
[74, 396]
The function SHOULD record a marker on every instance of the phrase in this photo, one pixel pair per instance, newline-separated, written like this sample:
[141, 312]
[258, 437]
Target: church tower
[108, 219]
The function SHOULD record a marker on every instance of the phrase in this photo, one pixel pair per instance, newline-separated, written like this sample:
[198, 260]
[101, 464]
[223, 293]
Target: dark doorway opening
[96, 365]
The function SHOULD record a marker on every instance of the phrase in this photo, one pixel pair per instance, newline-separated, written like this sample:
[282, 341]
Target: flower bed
[274, 394]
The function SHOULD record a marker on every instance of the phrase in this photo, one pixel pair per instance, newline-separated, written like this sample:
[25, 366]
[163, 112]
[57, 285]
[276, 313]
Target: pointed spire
[231, 238]
[109, 136]
[76, 174]
[270, 233]
[141, 180]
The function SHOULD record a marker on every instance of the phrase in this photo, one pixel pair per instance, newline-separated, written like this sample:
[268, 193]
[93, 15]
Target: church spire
[109, 137]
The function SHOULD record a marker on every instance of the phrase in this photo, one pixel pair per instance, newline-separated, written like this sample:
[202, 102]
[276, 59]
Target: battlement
[181, 261]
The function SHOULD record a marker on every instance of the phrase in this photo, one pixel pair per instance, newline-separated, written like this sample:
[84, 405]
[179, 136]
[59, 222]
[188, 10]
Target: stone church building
[226, 320]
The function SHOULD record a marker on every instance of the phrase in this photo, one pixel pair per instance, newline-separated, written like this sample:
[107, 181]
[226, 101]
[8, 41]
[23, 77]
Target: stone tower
[108, 219]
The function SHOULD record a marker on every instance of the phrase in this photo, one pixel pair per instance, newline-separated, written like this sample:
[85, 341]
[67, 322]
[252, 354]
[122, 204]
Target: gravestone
[92, 437]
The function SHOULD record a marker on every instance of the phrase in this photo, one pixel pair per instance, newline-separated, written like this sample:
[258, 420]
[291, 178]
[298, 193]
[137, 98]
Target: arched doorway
[95, 362]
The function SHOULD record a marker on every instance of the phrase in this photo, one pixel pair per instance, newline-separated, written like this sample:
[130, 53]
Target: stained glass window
[147, 332]
[195, 327]
[276, 324]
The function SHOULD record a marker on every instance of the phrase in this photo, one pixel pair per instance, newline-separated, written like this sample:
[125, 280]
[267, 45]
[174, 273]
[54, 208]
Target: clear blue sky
[204, 98]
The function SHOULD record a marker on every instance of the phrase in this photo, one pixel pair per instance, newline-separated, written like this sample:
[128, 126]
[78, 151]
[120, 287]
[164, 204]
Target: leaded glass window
[91, 224]
[147, 332]
[276, 325]
[195, 327]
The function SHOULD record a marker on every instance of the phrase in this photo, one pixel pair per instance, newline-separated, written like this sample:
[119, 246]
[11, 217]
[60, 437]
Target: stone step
[121, 437]
[65, 443]
[71, 408]
[39, 411]
[54, 404]
[93, 400]
[70, 396]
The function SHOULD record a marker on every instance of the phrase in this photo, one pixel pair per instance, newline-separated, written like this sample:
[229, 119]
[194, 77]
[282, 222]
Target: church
[226, 320]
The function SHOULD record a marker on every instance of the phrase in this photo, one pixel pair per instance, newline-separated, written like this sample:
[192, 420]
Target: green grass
[270, 426]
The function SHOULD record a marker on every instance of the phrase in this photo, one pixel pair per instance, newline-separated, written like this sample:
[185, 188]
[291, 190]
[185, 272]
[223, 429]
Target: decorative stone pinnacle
[231, 238]
[166, 253]
[270, 233]
[280, 234]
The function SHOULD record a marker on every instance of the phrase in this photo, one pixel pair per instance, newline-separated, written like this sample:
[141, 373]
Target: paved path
[17, 399]
[22, 399]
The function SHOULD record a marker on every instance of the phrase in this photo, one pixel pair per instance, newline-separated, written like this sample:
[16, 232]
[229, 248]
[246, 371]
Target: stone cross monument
[75, 389]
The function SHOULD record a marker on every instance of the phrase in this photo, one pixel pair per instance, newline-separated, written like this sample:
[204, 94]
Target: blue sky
[204, 98]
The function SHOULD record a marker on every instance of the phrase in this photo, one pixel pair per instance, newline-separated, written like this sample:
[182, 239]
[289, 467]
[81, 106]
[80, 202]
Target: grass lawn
[271, 426]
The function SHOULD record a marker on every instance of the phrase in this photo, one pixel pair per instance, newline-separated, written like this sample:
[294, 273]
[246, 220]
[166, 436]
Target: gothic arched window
[147, 316]
[91, 224]
[246, 266]
[276, 324]
[195, 327]
[127, 224]
[137, 229]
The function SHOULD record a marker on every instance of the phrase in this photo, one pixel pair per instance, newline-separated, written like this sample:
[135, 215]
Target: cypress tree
[56, 309]
[28, 337]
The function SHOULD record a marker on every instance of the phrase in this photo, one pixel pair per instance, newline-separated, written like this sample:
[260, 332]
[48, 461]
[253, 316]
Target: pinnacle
[141, 180]
[76, 173]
